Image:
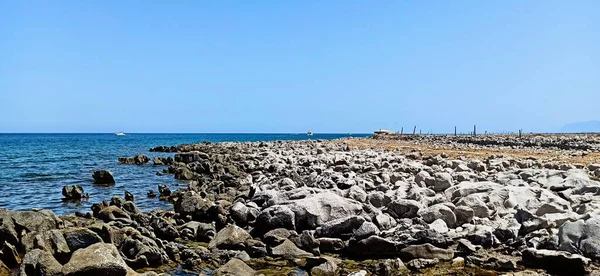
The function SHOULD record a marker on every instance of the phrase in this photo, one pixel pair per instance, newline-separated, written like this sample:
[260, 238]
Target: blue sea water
[35, 167]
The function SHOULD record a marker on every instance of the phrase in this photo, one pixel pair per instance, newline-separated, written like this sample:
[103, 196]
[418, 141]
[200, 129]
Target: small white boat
[120, 134]
[309, 133]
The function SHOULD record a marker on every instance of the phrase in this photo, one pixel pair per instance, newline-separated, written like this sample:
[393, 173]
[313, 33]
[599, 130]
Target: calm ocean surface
[35, 167]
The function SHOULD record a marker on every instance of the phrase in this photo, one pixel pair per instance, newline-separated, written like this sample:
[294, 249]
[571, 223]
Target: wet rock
[103, 177]
[151, 194]
[73, 192]
[96, 260]
[323, 266]
[426, 251]
[557, 262]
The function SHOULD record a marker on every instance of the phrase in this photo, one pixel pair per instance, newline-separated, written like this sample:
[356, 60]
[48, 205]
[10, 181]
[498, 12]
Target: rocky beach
[385, 205]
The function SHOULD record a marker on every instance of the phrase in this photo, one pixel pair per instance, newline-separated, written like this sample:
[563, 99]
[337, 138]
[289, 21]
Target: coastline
[357, 206]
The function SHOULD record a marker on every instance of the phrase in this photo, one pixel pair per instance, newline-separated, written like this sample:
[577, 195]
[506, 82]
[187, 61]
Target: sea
[35, 167]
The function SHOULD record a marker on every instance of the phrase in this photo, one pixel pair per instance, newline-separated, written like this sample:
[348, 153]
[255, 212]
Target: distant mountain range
[580, 127]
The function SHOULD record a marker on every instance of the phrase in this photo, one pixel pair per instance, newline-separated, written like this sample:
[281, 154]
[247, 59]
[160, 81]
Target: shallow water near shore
[35, 167]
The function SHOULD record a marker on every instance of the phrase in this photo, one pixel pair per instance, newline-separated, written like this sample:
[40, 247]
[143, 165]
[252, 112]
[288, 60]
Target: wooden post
[520, 132]
[454, 130]
[401, 130]
[415, 130]
[420, 131]
[474, 130]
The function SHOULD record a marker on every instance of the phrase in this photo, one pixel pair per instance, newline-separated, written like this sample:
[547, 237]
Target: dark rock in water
[38, 262]
[234, 267]
[95, 260]
[129, 196]
[151, 194]
[557, 262]
[163, 229]
[164, 191]
[138, 159]
[73, 192]
[103, 177]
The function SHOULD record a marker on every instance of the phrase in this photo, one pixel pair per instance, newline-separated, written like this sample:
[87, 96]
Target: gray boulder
[277, 216]
[230, 237]
[73, 192]
[96, 260]
[581, 237]
[38, 262]
[288, 250]
[404, 208]
[318, 209]
[235, 267]
[556, 262]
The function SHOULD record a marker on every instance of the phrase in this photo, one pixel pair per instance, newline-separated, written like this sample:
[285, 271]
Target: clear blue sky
[290, 66]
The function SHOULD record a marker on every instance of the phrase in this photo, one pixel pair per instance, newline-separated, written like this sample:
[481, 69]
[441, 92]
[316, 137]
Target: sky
[290, 66]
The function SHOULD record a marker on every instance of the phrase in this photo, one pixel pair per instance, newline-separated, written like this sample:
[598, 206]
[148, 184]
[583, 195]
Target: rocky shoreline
[326, 208]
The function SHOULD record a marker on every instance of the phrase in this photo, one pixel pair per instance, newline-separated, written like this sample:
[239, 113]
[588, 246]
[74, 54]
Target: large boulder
[318, 209]
[77, 238]
[35, 221]
[343, 227]
[556, 262]
[438, 211]
[103, 177]
[191, 203]
[288, 250]
[100, 259]
[581, 237]
[373, 246]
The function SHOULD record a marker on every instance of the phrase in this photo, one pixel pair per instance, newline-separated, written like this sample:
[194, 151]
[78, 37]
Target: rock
[138, 159]
[508, 230]
[390, 267]
[323, 266]
[356, 193]
[443, 181]
[231, 237]
[103, 177]
[373, 246]
[385, 222]
[557, 262]
[73, 192]
[404, 208]
[358, 273]
[111, 213]
[343, 227]
[235, 267]
[151, 194]
[10, 256]
[417, 264]
[96, 260]
[276, 236]
[439, 226]
[318, 209]
[331, 245]
[464, 214]
[378, 199]
[426, 251]
[438, 211]
[465, 247]
[288, 250]
[581, 237]
[277, 216]
[307, 242]
[239, 213]
[164, 191]
[366, 229]
[77, 238]
[192, 204]
[38, 262]
[129, 196]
